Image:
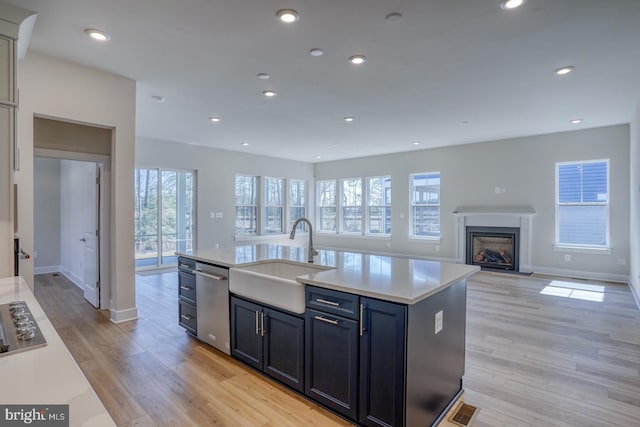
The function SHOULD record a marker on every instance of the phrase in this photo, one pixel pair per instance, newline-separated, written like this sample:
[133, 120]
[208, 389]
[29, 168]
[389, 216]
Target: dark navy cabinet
[382, 363]
[269, 340]
[187, 313]
[332, 361]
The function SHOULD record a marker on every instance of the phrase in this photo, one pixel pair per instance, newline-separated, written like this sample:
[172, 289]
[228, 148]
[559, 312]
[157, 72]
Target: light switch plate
[439, 321]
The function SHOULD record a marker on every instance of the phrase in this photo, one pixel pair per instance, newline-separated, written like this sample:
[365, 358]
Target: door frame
[103, 163]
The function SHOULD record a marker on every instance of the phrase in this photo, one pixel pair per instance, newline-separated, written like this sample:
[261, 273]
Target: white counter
[388, 278]
[47, 375]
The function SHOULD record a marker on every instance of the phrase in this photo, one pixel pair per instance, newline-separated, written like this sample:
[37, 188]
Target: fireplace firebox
[493, 248]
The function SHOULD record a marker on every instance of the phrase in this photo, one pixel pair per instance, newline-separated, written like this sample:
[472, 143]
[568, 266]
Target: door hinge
[97, 285]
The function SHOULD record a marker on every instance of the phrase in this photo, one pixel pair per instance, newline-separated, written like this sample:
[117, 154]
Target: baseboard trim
[46, 269]
[72, 277]
[578, 274]
[633, 286]
[119, 316]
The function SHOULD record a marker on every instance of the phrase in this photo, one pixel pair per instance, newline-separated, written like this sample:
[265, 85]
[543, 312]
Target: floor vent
[464, 415]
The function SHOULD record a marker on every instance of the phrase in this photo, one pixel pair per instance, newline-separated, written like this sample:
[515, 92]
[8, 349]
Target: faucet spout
[312, 251]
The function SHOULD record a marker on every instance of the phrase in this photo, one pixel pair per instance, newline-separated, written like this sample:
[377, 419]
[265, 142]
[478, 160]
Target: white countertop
[47, 375]
[397, 279]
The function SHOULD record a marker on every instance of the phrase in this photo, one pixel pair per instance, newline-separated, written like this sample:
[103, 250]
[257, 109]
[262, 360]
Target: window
[352, 205]
[379, 205]
[582, 204]
[297, 200]
[273, 205]
[246, 205]
[327, 211]
[425, 205]
[164, 215]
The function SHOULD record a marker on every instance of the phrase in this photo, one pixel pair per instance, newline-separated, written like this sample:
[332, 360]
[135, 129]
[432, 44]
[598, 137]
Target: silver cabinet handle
[361, 319]
[262, 331]
[185, 288]
[210, 276]
[185, 317]
[324, 301]
[257, 324]
[324, 319]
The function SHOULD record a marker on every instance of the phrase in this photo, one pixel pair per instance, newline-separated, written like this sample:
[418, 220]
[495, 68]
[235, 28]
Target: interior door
[91, 277]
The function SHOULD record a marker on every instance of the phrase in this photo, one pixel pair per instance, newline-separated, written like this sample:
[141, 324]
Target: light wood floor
[532, 360]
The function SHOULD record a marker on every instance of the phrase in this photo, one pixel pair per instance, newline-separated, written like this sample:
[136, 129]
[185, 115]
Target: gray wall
[46, 214]
[525, 167]
[215, 180]
[634, 231]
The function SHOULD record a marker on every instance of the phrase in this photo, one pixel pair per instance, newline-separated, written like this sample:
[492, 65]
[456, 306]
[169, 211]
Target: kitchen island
[46, 375]
[381, 340]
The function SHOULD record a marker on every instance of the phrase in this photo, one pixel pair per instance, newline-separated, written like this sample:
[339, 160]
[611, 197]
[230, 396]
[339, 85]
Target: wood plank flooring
[532, 359]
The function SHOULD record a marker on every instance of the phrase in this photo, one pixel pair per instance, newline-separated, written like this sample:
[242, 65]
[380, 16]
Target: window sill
[247, 237]
[425, 239]
[582, 249]
[355, 236]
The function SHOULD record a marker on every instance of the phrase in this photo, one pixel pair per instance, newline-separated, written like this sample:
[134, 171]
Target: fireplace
[493, 248]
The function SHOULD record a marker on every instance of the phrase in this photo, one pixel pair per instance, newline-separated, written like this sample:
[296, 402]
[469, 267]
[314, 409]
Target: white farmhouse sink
[273, 283]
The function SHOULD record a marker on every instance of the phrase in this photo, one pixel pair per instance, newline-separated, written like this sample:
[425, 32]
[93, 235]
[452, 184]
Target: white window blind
[582, 204]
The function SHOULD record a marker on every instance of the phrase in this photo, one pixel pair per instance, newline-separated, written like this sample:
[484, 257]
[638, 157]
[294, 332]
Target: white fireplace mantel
[508, 216]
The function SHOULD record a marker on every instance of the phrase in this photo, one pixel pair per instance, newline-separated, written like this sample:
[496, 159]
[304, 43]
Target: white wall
[215, 180]
[525, 167]
[46, 207]
[54, 88]
[634, 231]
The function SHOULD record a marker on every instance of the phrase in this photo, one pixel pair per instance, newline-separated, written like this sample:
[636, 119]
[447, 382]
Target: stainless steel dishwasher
[212, 306]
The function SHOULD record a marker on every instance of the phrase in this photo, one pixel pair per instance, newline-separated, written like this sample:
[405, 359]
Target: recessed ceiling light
[464, 123]
[318, 157]
[511, 4]
[416, 142]
[576, 121]
[357, 59]
[97, 35]
[269, 93]
[287, 15]
[564, 70]
[214, 119]
[316, 52]
[394, 17]
[263, 76]
[157, 98]
[244, 143]
[348, 119]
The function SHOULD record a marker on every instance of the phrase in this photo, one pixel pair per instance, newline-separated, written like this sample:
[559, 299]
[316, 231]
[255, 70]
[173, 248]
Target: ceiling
[450, 72]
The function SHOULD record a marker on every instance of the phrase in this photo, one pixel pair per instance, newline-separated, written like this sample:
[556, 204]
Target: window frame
[305, 206]
[577, 247]
[413, 205]
[342, 206]
[368, 206]
[254, 206]
[320, 206]
[265, 206]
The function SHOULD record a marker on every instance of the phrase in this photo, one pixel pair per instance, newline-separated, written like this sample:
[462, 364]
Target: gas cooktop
[18, 329]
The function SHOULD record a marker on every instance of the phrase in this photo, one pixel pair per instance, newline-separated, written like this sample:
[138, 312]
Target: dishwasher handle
[210, 276]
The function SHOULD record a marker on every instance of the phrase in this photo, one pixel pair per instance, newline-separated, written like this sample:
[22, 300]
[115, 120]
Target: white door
[91, 256]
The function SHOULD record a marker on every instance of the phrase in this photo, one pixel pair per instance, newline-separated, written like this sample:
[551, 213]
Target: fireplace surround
[519, 217]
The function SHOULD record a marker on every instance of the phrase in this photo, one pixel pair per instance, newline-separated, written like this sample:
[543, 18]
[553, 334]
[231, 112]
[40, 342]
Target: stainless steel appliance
[212, 306]
[18, 329]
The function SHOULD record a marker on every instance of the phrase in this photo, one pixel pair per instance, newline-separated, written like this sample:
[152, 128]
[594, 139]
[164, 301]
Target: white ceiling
[446, 62]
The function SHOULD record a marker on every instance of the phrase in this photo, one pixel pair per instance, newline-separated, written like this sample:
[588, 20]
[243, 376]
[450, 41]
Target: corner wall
[634, 212]
[46, 207]
[215, 181]
[54, 88]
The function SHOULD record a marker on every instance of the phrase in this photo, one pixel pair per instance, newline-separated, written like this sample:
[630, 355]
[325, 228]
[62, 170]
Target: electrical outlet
[212, 337]
[212, 214]
[439, 321]
[35, 254]
[567, 257]
[219, 215]
[437, 248]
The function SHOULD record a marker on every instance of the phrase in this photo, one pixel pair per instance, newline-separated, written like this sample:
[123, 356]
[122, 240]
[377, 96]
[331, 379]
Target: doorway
[69, 207]
[164, 216]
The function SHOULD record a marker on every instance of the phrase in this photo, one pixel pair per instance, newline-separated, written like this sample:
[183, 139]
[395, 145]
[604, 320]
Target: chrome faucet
[312, 251]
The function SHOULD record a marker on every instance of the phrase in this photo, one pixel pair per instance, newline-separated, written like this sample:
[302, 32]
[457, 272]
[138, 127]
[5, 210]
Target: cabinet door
[284, 348]
[7, 71]
[187, 317]
[246, 341]
[187, 287]
[331, 345]
[382, 363]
